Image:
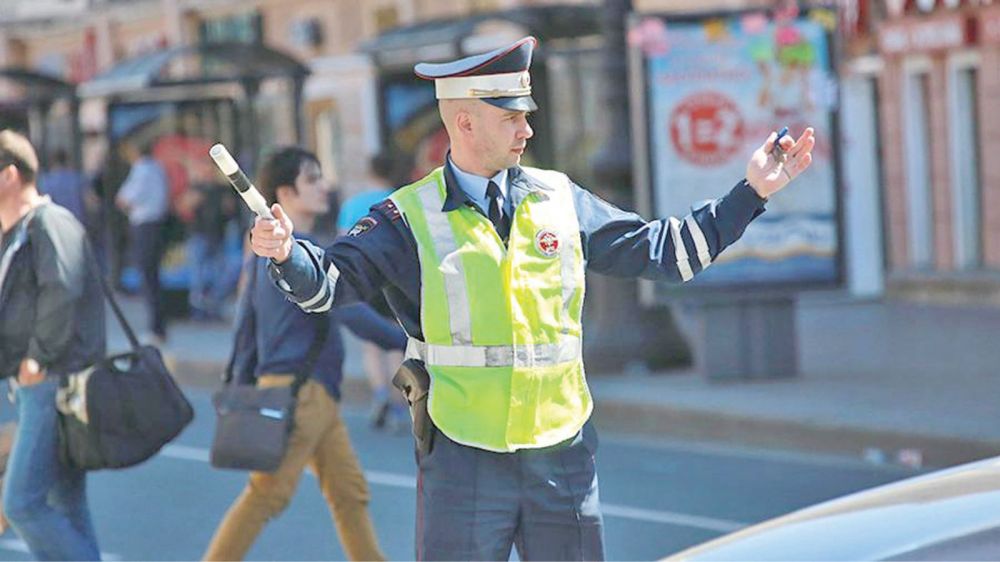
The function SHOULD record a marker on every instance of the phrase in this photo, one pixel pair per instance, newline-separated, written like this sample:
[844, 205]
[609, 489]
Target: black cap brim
[519, 103]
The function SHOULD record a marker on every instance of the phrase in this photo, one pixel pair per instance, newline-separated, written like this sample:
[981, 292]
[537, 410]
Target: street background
[847, 341]
[681, 460]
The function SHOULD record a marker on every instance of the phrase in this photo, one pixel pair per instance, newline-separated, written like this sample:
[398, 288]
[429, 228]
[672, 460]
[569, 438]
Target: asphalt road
[658, 497]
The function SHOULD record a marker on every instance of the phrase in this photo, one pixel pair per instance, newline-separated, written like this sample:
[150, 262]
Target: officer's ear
[463, 119]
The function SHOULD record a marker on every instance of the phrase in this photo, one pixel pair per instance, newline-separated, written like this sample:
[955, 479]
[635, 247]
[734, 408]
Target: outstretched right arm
[318, 279]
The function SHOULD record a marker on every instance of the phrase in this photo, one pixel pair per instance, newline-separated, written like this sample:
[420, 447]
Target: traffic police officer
[483, 263]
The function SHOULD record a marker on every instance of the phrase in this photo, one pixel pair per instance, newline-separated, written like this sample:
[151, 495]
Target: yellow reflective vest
[501, 325]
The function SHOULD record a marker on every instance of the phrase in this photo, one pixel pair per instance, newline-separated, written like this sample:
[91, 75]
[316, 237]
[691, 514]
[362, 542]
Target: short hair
[383, 165]
[16, 149]
[281, 168]
[60, 157]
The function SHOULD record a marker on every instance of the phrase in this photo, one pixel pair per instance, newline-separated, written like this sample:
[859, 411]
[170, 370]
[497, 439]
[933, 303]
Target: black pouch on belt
[413, 380]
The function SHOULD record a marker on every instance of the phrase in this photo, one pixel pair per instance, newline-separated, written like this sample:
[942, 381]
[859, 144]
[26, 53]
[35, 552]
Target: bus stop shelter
[570, 40]
[38, 93]
[188, 72]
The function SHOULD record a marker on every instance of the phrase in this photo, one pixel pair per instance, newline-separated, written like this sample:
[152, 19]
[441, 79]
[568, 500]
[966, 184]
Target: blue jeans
[44, 500]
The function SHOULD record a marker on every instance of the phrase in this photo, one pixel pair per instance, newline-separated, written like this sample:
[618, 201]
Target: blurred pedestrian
[66, 186]
[110, 223]
[212, 206]
[272, 344]
[145, 199]
[51, 325]
[388, 407]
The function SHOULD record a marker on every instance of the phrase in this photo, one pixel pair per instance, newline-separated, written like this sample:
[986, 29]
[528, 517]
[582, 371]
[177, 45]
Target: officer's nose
[526, 131]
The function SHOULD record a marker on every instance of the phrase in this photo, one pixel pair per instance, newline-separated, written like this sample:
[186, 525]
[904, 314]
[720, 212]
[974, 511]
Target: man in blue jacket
[272, 343]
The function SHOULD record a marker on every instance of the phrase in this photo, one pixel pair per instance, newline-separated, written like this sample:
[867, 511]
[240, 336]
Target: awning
[38, 86]
[204, 63]
[448, 39]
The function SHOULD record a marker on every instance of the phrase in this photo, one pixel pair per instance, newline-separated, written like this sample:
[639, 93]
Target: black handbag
[122, 410]
[253, 424]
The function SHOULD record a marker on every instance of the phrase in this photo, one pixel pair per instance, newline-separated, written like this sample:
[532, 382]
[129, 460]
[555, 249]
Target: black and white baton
[227, 164]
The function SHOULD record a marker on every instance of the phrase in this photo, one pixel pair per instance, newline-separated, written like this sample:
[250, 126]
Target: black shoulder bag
[122, 410]
[253, 424]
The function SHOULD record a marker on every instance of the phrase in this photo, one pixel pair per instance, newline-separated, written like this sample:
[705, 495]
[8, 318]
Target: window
[920, 209]
[865, 258]
[480, 6]
[386, 17]
[965, 160]
[328, 149]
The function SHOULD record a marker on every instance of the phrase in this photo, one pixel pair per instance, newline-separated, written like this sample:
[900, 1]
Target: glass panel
[920, 221]
[965, 160]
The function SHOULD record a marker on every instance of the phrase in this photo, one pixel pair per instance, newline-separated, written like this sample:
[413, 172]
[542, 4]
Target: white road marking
[395, 480]
[16, 545]
[671, 518]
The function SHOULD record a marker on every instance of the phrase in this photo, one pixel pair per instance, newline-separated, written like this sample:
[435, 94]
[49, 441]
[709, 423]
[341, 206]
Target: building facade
[920, 81]
[918, 112]
[78, 40]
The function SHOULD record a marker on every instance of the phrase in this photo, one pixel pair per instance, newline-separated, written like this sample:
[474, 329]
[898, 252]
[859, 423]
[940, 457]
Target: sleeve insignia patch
[362, 226]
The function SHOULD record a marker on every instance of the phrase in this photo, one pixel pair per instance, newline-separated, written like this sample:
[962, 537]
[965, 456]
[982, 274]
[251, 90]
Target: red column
[893, 163]
[940, 180]
[989, 139]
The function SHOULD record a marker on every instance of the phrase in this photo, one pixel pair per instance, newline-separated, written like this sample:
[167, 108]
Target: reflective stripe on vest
[537, 355]
[454, 278]
[502, 328]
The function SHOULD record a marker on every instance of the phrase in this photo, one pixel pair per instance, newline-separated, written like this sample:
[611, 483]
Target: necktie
[497, 216]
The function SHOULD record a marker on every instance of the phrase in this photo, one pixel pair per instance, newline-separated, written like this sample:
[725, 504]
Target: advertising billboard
[714, 89]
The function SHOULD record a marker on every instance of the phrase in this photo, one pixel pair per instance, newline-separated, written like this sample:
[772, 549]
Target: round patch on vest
[547, 242]
[362, 226]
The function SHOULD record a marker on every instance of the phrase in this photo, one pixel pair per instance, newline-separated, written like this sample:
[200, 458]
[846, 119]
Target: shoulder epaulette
[389, 209]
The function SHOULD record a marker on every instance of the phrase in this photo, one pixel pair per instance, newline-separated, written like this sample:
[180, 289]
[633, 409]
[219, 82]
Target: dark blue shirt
[273, 336]
[380, 253]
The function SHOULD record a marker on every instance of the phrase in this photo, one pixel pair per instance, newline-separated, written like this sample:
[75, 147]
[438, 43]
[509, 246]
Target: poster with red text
[716, 89]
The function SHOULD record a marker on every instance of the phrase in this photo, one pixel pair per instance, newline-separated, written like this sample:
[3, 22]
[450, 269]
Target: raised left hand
[768, 173]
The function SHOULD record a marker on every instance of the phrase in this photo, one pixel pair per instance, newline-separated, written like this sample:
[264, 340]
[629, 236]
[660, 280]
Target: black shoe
[379, 414]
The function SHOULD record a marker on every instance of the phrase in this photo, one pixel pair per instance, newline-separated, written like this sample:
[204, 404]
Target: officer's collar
[519, 184]
[454, 196]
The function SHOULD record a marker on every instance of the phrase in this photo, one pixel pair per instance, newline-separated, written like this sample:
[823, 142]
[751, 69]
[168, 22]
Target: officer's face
[504, 136]
[311, 189]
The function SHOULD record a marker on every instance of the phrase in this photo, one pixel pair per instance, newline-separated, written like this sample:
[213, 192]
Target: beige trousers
[319, 439]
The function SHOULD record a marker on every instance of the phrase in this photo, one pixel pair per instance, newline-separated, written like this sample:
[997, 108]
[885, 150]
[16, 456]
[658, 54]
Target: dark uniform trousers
[474, 504]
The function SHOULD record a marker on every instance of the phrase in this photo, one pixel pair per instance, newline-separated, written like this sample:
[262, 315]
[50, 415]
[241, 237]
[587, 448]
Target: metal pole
[612, 165]
[298, 86]
[620, 331]
[251, 87]
[74, 117]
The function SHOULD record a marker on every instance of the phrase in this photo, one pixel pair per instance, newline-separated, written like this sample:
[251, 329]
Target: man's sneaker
[398, 419]
[379, 414]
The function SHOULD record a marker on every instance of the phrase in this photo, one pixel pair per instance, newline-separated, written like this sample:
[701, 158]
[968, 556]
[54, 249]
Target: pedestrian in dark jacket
[273, 339]
[51, 325]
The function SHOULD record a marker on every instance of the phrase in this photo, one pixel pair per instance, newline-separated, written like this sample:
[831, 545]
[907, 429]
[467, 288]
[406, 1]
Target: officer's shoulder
[388, 209]
[382, 214]
[547, 179]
